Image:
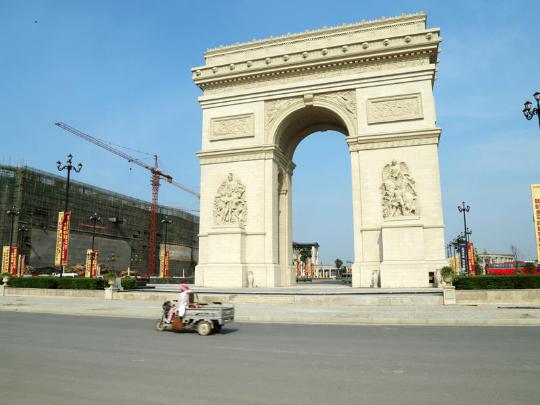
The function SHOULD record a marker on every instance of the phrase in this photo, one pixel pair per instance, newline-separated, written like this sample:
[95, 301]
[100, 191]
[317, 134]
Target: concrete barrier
[507, 297]
[462, 297]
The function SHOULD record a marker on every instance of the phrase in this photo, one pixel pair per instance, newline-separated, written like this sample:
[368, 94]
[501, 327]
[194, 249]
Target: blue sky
[120, 70]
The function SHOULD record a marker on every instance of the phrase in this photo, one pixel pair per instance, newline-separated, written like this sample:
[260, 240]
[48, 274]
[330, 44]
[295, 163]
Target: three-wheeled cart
[205, 318]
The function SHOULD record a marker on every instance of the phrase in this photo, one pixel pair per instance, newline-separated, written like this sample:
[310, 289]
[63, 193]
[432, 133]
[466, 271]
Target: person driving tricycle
[181, 304]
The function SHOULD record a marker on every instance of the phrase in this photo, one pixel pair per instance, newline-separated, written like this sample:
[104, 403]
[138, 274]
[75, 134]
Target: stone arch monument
[371, 81]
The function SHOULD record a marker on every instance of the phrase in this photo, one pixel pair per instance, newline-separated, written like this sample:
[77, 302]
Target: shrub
[447, 273]
[529, 268]
[80, 283]
[496, 282]
[56, 282]
[129, 283]
[33, 282]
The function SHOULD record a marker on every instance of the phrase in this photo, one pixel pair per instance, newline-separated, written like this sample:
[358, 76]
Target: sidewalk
[291, 313]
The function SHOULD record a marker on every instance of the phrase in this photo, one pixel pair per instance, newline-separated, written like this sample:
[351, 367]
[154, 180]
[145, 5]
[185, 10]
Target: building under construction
[121, 236]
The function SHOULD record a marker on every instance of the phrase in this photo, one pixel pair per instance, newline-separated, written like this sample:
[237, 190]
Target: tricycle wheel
[217, 326]
[204, 328]
[160, 326]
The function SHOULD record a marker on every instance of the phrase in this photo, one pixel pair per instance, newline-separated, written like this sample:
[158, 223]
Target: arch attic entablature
[353, 51]
[371, 81]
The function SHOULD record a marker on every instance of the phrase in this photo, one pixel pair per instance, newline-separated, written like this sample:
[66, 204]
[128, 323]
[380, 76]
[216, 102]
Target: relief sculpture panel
[230, 206]
[399, 197]
[235, 126]
[398, 108]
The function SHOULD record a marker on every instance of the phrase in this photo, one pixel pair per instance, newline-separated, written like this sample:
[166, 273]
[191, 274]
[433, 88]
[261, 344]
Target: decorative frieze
[230, 206]
[235, 126]
[398, 190]
[396, 108]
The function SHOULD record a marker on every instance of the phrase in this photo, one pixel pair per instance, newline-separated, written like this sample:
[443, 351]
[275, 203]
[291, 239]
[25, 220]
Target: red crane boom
[156, 175]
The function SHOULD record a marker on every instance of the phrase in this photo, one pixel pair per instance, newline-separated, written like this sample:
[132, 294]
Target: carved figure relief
[237, 126]
[344, 99]
[398, 191]
[399, 108]
[273, 108]
[230, 207]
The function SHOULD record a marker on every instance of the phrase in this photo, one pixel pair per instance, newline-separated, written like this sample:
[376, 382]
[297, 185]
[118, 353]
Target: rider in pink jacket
[183, 302]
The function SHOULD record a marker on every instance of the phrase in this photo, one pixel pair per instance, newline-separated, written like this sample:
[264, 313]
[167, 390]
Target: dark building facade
[121, 236]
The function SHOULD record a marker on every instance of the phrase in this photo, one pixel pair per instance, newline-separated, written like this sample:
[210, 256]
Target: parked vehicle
[205, 318]
[507, 268]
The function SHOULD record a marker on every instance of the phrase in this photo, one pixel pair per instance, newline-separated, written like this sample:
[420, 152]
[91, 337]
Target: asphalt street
[59, 359]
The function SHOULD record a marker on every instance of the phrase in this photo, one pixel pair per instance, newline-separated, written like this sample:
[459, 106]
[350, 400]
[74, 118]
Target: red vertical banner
[164, 264]
[472, 264]
[14, 253]
[62, 239]
[65, 237]
[95, 264]
[5, 259]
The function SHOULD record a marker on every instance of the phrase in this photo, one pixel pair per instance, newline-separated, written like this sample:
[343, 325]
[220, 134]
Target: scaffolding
[122, 236]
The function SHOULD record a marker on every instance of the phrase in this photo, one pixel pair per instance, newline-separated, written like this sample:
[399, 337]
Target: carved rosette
[398, 191]
[230, 206]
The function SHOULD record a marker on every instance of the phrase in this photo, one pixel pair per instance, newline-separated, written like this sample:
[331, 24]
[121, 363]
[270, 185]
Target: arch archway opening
[319, 160]
[304, 122]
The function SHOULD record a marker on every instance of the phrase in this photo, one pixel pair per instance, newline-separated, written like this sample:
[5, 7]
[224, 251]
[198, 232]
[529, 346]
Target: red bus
[506, 268]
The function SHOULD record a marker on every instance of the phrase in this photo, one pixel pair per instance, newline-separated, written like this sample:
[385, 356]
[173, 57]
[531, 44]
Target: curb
[303, 321]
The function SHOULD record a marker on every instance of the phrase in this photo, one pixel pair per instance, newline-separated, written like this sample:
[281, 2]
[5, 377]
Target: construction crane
[156, 175]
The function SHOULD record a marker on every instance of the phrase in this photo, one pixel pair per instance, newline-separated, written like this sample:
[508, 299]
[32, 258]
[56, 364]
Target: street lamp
[94, 218]
[12, 212]
[69, 167]
[135, 260]
[22, 230]
[166, 221]
[464, 209]
[112, 258]
[530, 112]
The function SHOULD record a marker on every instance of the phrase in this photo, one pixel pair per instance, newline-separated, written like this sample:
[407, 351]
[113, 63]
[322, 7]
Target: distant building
[121, 237]
[487, 258]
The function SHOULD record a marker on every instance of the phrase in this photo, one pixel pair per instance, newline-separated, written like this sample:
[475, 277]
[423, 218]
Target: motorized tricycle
[206, 318]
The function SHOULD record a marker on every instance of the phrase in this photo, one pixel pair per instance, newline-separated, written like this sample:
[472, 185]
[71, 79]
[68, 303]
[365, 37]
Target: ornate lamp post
[69, 167]
[94, 218]
[12, 212]
[135, 260]
[530, 112]
[464, 209]
[22, 230]
[113, 257]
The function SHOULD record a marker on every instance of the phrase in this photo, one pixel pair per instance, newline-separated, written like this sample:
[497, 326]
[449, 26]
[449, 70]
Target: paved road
[57, 359]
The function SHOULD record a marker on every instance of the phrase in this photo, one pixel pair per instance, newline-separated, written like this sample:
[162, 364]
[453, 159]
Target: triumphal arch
[371, 81]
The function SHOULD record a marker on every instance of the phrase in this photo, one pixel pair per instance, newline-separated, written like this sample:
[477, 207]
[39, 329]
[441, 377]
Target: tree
[338, 263]
[514, 251]
[305, 253]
